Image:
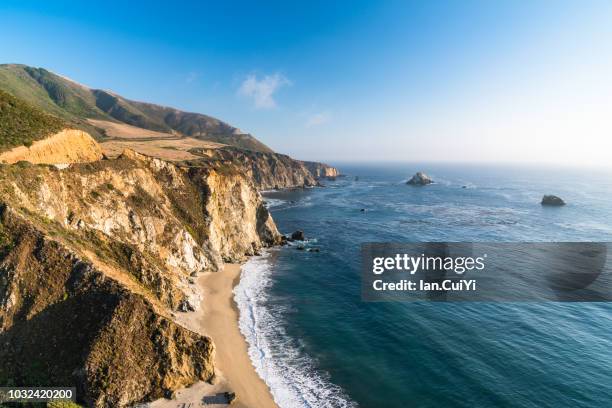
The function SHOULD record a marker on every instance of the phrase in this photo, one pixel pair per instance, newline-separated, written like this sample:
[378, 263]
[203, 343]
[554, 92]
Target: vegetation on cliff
[21, 124]
[60, 96]
[266, 170]
[95, 260]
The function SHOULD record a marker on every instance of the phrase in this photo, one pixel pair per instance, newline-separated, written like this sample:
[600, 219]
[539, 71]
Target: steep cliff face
[267, 170]
[95, 258]
[321, 170]
[66, 146]
[63, 321]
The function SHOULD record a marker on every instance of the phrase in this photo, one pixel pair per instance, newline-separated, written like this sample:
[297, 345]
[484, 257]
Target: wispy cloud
[192, 77]
[261, 91]
[318, 119]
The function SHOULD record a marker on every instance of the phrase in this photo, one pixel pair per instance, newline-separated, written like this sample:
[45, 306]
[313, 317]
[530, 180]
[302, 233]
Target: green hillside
[23, 124]
[77, 103]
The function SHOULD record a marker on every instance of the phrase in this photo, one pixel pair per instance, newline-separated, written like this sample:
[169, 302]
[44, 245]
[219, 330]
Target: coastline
[218, 318]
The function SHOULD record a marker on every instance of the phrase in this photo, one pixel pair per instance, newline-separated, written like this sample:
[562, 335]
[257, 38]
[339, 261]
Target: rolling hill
[22, 124]
[77, 103]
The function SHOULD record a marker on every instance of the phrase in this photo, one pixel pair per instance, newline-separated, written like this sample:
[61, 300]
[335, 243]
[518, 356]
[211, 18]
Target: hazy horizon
[470, 82]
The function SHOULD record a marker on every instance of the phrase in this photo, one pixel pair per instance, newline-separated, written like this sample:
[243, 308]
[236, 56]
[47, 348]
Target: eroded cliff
[65, 146]
[96, 258]
[267, 170]
[321, 170]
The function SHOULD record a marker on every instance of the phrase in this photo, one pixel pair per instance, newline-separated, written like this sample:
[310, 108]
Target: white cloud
[262, 90]
[318, 119]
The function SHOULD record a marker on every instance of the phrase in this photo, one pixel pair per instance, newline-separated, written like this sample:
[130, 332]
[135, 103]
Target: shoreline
[218, 318]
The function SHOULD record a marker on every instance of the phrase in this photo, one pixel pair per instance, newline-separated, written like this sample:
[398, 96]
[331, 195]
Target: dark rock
[185, 306]
[363, 210]
[420, 179]
[463, 186]
[298, 236]
[300, 247]
[314, 250]
[169, 394]
[552, 200]
[230, 397]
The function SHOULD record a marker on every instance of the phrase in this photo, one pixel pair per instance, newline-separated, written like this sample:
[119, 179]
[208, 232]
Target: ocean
[317, 344]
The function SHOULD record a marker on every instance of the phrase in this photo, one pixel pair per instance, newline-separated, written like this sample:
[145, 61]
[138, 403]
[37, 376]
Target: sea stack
[420, 179]
[552, 200]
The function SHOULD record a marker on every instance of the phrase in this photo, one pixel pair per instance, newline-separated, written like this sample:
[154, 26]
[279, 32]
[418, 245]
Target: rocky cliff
[321, 170]
[95, 259]
[266, 170]
[66, 146]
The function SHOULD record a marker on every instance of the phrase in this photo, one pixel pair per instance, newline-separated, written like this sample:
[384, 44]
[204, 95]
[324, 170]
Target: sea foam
[291, 375]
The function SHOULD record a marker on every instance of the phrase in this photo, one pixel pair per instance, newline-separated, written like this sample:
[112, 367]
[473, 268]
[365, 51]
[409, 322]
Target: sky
[477, 81]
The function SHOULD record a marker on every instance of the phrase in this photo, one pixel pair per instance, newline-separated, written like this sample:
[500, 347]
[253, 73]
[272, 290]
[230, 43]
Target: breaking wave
[291, 375]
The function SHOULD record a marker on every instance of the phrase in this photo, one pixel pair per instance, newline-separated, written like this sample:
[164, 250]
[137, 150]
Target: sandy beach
[218, 318]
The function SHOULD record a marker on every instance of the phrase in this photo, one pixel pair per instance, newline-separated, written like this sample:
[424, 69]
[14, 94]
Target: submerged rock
[552, 200]
[420, 179]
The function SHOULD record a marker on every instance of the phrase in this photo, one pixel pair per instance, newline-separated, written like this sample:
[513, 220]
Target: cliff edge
[63, 147]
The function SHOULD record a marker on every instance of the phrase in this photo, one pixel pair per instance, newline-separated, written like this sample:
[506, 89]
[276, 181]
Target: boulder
[552, 200]
[420, 179]
[230, 397]
[298, 236]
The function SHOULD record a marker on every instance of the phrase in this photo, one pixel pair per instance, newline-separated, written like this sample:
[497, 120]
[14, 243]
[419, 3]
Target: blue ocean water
[317, 344]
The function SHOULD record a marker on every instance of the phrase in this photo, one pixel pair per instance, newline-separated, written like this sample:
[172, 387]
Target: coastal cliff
[266, 170]
[321, 170]
[100, 259]
[96, 259]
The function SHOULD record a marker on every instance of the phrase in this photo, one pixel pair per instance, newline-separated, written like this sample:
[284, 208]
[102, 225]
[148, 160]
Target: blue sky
[358, 80]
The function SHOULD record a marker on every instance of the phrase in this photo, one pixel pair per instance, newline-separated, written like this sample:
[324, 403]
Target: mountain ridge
[70, 100]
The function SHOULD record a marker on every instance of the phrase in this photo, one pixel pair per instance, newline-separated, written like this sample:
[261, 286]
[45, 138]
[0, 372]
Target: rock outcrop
[298, 236]
[552, 200]
[63, 321]
[266, 170]
[66, 146]
[321, 170]
[94, 259]
[420, 179]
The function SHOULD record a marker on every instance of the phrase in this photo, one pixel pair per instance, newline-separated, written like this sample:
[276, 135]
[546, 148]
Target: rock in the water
[552, 200]
[298, 236]
[420, 179]
[300, 247]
